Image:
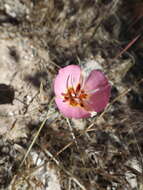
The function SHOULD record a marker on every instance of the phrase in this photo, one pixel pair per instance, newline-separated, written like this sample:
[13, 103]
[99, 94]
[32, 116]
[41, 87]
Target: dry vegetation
[39, 148]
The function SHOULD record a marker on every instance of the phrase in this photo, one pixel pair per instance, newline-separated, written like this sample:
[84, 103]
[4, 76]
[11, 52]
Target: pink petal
[99, 99]
[95, 80]
[71, 111]
[70, 74]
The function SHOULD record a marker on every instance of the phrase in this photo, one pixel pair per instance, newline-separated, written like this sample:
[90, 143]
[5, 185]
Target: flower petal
[70, 76]
[99, 99]
[95, 80]
[71, 111]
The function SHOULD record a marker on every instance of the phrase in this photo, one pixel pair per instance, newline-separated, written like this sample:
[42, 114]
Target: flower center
[75, 97]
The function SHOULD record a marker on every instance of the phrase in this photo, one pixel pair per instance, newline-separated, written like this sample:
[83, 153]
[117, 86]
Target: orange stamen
[75, 97]
[78, 88]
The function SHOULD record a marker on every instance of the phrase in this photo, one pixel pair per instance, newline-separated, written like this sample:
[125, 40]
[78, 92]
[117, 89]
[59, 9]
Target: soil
[39, 147]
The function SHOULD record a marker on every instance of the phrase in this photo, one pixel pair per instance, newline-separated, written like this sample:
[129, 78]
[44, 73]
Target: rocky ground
[37, 147]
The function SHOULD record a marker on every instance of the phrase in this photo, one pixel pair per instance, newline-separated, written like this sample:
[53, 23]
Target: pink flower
[77, 97]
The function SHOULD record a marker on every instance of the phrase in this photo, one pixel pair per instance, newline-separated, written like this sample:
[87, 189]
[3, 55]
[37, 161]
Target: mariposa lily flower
[77, 96]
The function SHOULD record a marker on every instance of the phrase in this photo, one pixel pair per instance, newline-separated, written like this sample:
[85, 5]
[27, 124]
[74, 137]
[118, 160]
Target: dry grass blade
[128, 46]
[66, 171]
[34, 140]
[138, 147]
[104, 15]
[72, 133]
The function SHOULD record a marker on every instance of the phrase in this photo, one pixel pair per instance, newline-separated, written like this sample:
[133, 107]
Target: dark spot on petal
[81, 104]
[78, 88]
